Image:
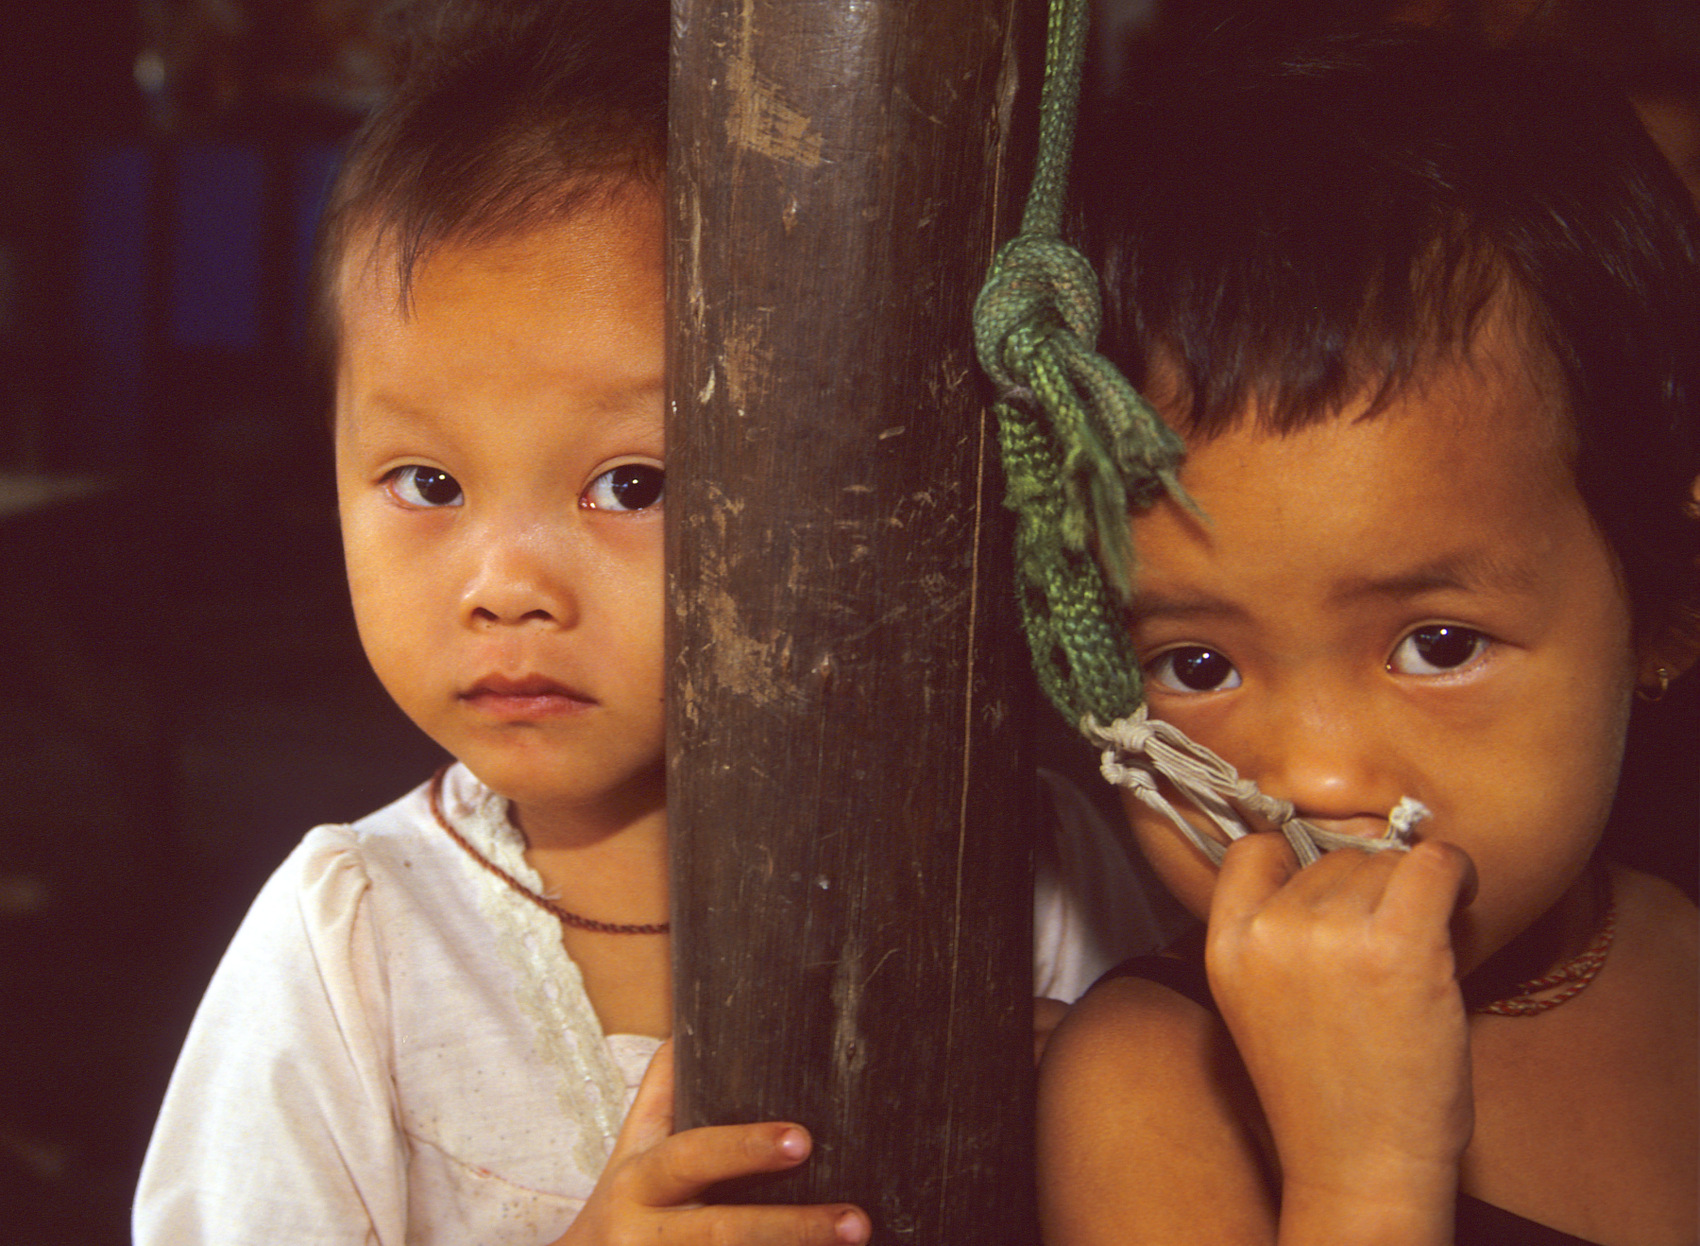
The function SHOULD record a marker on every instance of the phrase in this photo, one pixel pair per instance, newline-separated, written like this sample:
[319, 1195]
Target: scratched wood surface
[846, 788]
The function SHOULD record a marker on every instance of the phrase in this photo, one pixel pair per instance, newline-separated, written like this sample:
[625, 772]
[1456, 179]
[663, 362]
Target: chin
[555, 786]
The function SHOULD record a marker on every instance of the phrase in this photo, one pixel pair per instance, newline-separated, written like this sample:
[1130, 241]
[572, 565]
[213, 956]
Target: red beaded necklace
[1569, 979]
[565, 916]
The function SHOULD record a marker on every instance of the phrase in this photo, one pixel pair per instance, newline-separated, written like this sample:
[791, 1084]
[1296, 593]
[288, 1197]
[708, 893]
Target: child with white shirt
[433, 1022]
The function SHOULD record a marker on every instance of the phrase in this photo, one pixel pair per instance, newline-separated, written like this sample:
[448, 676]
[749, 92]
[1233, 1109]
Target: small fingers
[830, 1224]
[678, 1169]
[1254, 869]
[1434, 880]
[1259, 866]
[1261, 889]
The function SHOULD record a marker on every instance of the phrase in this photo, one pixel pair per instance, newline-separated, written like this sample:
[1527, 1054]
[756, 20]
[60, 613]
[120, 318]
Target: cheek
[397, 656]
[394, 610]
[1533, 815]
[629, 591]
[1178, 865]
[1584, 721]
[374, 585]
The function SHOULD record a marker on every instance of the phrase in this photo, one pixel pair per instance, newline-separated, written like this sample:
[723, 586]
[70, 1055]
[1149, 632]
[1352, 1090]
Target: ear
[1658, 667]
[1671, 654]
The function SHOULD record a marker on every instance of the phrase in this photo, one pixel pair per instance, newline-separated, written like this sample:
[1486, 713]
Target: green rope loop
[1080, 446]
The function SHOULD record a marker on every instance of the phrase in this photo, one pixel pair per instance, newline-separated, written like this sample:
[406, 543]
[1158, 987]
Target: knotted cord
[1080, 446]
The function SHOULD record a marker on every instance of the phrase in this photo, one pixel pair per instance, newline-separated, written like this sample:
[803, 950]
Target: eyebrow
[396, 407]
[1477, 570]
[1466, 571]
[378, 417]
[628, 402]
[1182, 605]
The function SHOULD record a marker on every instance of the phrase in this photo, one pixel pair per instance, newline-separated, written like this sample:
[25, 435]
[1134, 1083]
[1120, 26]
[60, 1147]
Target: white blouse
[396, 1048]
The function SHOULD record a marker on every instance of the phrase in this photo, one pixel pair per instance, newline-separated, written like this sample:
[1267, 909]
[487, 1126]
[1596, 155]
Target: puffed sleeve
[280, 1122]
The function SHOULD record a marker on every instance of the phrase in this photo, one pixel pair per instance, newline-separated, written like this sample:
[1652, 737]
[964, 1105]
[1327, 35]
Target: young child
[406, 1042]
[1428, 319]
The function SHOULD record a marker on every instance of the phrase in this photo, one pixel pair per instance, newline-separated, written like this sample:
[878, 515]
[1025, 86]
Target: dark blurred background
[183, 692]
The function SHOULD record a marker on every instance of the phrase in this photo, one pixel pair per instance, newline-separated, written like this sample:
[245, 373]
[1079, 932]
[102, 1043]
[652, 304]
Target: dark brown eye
[1194, 668]
[1437, 649]
[426, 486]
[628, 487]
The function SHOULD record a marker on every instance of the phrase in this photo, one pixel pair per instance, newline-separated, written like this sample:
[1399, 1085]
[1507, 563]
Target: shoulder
[287, 1061]
[297, 1056]
[1648, 997]
[1658, 933]
[396, 867]
[1147, 1124]
[323, 930]
[326, 881]
[1662, 903]
[309, 946]
[1124, 1030]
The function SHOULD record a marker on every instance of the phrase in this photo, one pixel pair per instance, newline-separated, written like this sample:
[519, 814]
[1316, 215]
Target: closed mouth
[535, 692]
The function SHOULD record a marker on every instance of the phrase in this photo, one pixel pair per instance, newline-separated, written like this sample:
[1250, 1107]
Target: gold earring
[1650, 695]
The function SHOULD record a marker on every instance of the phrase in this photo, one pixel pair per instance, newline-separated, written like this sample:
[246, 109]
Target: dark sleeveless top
[1478, 1223]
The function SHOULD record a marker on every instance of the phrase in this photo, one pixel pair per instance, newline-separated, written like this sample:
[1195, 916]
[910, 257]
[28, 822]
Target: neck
[634, 812]
[1560, 934]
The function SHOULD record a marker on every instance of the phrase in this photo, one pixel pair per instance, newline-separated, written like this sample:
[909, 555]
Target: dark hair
[1299, 226]
[506, 115]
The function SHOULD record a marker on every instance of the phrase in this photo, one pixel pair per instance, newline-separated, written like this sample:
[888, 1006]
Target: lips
[525, 697]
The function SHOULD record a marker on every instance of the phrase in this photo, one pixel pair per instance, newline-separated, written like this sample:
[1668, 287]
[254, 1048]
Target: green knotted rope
[1080, 446]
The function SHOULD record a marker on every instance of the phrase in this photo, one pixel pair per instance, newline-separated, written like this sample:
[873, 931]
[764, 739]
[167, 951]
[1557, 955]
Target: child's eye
[628, 487]
[1437, 650]
[1193, 668]
[425, 486]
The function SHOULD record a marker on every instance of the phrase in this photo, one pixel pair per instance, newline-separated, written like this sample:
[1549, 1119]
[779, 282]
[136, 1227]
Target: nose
[1327, 753]
[521, 574]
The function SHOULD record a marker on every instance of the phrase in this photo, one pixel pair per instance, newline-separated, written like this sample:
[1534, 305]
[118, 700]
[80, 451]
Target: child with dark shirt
[1427, 317]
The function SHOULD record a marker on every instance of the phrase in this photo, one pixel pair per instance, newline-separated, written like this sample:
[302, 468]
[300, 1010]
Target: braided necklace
[565, 916]
[1569, 979]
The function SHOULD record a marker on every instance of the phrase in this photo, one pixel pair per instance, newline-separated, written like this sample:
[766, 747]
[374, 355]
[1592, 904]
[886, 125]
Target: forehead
[575, 306]
[610, 248]
[1466, 464]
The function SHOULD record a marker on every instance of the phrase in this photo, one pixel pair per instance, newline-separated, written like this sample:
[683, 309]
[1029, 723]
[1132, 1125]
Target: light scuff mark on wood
[849, 1046]
[741, 664]
[721, 508]
[758, 120]
[745, 363]
[696, 291]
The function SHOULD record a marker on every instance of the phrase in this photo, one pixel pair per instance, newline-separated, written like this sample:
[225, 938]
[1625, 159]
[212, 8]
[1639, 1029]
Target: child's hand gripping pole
[1139, 751]
[651, 1190]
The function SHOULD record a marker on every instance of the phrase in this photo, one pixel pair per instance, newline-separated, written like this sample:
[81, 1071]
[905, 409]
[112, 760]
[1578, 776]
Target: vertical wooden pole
[852, 891]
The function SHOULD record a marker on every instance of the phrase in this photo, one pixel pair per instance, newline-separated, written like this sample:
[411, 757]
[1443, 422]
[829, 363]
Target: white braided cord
[1140, 752]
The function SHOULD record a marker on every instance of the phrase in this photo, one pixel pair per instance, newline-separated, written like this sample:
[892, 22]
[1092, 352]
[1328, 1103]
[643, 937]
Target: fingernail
[851, 1228]
[794, 1144]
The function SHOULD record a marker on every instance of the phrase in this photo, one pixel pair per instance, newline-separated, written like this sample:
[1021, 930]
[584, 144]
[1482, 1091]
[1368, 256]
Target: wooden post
[852, 884]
